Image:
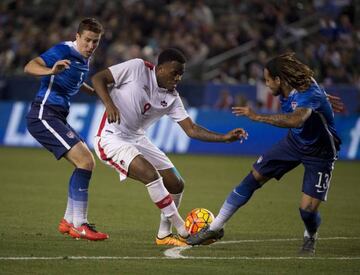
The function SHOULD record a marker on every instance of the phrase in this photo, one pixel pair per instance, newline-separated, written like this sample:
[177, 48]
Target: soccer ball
[197, 219]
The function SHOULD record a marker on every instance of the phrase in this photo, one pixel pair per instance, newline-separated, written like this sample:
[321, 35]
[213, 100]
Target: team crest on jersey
[163, 103]
[122, 162]
[70, 134]
[293, 105]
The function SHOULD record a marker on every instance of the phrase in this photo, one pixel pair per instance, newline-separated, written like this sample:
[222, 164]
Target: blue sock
[237, 198]
[243, 192]
[312, 221]
[79, 184]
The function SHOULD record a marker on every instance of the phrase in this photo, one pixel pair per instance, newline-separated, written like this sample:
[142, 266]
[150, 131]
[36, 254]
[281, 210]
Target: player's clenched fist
[113, 114]
[60, 66]
[236, 134]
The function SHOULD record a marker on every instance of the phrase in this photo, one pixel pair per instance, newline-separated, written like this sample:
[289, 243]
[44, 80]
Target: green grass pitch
[262, 238]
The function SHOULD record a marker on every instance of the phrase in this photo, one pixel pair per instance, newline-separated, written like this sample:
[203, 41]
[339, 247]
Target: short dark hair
[90, 24]
[171, 54]
[290, 69]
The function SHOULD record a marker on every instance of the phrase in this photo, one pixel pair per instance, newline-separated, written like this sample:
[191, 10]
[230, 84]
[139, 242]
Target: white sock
[225, 213]
[307, 234]
[161, 197]
[165, 224]
[80, 213]
[69, 211]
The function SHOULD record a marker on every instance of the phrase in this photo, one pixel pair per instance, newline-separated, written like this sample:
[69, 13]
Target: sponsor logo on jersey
[259, 159]
[163, 103]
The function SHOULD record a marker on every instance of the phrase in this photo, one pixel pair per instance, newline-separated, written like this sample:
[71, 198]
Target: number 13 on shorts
[323, 183]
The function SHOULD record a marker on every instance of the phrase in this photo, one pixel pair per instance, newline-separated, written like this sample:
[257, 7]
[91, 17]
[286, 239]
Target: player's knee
[150, 175]
[87, 163]
[174, 186]
[248, 185]
[258, 177]
[309, 203]
[309, 207]
[181, 185]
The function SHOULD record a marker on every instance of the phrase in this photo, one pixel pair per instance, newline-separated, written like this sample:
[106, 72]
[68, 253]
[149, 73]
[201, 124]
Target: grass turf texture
[33, 199]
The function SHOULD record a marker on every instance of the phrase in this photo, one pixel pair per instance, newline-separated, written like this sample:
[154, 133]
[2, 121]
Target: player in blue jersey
[311, 141]
[63, 69]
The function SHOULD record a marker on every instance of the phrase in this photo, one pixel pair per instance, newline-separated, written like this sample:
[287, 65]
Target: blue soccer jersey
[58, 89]
[318, 131]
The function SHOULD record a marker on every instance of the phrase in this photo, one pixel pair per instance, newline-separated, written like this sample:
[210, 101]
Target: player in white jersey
[141, 94]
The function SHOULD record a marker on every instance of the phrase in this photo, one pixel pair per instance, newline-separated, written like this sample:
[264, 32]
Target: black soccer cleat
[308, 247]
[205, 236]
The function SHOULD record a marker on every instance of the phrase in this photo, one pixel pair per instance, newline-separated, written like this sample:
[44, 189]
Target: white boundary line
[99, 258]
[80, 258]
[175, 254]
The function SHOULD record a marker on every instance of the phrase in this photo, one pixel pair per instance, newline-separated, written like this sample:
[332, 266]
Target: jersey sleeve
[177, 111]
[127, 71]
[54, 54]
[311, 98]
[304, 100]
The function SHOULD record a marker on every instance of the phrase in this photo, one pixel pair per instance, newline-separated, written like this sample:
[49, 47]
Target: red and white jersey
[140, 100]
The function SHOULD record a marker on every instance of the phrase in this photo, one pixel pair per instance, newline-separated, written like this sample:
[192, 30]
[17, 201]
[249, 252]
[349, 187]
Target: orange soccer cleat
[87, 231]
[64, 226]
[171, 239]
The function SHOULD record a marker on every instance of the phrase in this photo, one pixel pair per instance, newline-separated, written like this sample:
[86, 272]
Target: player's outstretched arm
[290, 120]
[85, 88]
[196, 131]
[37, 67]
[100, 81]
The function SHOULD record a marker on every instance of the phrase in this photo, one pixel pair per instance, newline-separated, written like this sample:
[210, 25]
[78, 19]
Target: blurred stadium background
[226, 43]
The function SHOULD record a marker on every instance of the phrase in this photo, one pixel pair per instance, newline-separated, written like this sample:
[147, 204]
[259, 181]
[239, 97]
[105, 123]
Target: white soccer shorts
[118, 153]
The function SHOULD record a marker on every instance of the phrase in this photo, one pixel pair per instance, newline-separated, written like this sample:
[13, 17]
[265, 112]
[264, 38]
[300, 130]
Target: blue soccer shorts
[51, 130]
[283, 157]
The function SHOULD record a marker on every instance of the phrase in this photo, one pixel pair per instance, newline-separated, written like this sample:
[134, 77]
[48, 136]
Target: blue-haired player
[63, 69]
[311, 141]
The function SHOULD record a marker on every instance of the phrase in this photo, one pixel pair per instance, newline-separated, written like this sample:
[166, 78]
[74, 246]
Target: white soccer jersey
[140, 100]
